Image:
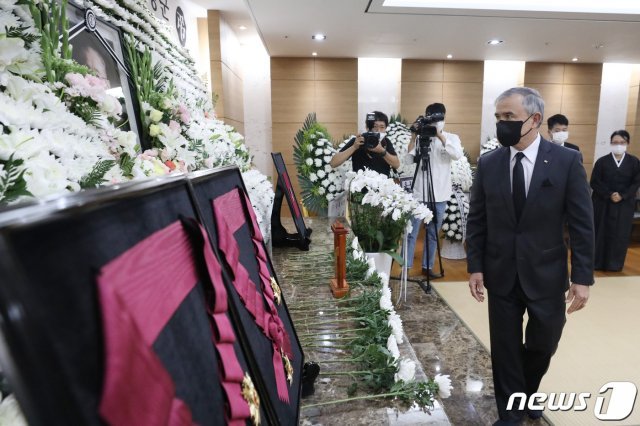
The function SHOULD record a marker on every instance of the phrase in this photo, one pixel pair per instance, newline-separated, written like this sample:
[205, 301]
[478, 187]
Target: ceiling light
[319, 37]
[242, 27]
[574, 59]
[449, 56]
[314, 54]
[572, 6]
[495, 42]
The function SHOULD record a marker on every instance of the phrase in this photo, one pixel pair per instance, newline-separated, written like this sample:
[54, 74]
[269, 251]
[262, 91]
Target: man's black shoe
[535, 414]
[432, 275]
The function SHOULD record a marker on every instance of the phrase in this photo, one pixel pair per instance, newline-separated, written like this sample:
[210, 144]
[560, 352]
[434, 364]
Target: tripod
[423, 164]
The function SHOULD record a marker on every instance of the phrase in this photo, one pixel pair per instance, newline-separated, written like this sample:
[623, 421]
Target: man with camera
[434, 151]
[371, 149]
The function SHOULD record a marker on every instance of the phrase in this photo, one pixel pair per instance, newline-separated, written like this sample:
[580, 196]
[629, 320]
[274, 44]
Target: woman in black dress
[615, 181]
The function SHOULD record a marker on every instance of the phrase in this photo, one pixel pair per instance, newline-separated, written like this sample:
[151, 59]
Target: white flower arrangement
[489, 145]
[383, 192]
[260, 191]
[44, 143]
[400, 136]
[313, 152]
[461, 173]
[455, 215]
[381, 209]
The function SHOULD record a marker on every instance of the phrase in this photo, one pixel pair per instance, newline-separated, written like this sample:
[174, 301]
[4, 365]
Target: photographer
[439, 148]
[371, 149]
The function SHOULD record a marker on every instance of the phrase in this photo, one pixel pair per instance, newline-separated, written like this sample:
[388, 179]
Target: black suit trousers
[519, 364]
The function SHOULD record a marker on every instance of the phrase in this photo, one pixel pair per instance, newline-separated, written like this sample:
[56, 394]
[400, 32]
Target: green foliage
[375, 233]
[398, 119]
[20, 32]
[12, 183]
[126, 164]
[311, 197]
[146, 78]
[51, 21]
[95, 177]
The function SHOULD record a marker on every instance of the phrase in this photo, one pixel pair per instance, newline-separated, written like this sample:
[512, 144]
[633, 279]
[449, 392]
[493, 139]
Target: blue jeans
[430, 238]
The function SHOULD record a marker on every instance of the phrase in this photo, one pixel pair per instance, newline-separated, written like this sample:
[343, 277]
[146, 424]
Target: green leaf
[12, 183]
[95, 177]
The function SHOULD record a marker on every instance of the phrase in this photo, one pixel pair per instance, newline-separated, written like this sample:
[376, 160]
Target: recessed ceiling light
[574, 59]
[319, 37]
[449, 56]
[495, 42]
[242, 27]
[314, 54]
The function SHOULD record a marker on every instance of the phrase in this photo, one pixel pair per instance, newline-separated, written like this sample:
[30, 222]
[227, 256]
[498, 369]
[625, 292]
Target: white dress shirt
[440, 160]
[528, 161]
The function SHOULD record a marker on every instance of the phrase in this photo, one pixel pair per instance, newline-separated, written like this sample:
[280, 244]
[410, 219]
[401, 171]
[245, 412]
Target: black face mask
[508, 132]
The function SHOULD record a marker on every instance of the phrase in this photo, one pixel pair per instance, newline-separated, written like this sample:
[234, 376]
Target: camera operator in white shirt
[443, 148]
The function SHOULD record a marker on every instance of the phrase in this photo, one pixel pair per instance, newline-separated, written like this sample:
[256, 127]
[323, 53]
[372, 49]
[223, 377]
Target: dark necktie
[519, 192]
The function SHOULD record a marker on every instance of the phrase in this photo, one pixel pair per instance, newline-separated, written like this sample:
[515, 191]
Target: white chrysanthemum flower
[309, 162]
[395, 322]
[406, 371]
[445, 226]
[319, 152]
[451, 234]
[313, 177]
[444, 385]
[321, 173]
[321, 191]
[392, 346]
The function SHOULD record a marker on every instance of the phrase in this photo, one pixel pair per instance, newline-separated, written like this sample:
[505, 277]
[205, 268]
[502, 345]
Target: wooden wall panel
[335, 70]
[291, 100]
[543, 73]
[335, 101]
[580, 103]
[291, 69]
[421, 70]
[632, 106]
[415, 97]
[583, 135]
[552, 95]
[634, 146]
[468, 136]
[463, 102]
[464, 71]
[299, 86]
[457, 84]
[583, 74]
[225, 72]
[572, 90]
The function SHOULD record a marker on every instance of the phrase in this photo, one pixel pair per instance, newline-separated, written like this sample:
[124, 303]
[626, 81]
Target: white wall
[614, 96]
[498, 77]
[257, 104]
[378, 86]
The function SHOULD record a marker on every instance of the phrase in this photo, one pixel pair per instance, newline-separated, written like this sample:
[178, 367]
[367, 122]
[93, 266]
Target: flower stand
[451, 250]
[383, 262]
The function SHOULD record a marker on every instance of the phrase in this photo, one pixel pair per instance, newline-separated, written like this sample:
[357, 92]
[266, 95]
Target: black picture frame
[99, 45]
[279, 235]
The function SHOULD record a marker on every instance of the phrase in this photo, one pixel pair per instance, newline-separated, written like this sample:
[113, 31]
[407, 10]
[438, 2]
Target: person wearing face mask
[445, 147]
[379, 158]
[558, 126]
[522, 195]
[615, 180]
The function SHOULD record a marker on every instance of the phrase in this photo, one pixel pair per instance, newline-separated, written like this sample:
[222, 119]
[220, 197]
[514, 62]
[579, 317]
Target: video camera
[424, 126]
[371, 139]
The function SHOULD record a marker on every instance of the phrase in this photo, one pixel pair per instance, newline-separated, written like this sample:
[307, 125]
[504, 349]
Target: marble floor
[443, 344]
[438, 340]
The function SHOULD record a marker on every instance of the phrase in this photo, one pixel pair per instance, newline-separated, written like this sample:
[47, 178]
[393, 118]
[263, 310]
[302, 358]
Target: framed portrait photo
[98, 45]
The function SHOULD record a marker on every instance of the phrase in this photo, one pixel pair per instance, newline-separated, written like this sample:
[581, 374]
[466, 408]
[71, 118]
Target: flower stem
[355, 398]
[334, 321]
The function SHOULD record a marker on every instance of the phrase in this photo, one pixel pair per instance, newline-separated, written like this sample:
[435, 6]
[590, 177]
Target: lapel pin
[546, 161]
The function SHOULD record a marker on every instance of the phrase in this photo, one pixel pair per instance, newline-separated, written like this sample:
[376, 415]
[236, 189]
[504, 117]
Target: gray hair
[531, 99]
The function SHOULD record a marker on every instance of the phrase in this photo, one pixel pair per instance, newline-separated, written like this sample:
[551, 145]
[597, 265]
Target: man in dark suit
[521, 197]
[558, 126]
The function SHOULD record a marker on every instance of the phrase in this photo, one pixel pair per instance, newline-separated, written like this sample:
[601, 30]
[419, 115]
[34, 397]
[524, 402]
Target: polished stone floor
[438, 341]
